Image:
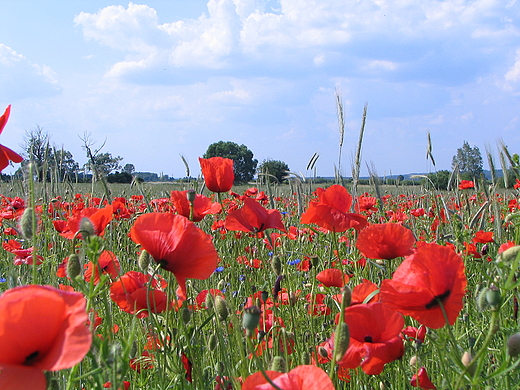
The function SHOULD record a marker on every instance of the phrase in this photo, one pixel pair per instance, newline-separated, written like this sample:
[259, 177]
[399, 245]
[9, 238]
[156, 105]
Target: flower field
[259, 289]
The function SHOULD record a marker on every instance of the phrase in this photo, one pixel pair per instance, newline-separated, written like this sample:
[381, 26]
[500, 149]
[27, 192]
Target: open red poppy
[432, 276]
[41, 328]
[133, 294]
[107, 263]
[374, 337]
[331, 210]
[177, 244]
[385, 241]
[218, 173]
[254, 218]
[100, 218]
[7, 154]
[202, 205]
[333, 277]
[299, 378]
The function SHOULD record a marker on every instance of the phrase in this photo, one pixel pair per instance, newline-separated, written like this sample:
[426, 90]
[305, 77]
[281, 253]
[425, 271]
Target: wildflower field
[212, 286]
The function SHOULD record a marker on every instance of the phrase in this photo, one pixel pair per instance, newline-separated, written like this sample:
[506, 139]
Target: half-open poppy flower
[177, 244]
[422, 380]
[299, 378]
[218, 173]
[333, 277]
[374, 337]
[99, 218]
[7, 154]
[254, 218]
[432, 276]
[331, 210]
[133, 294]
[41, 328]
[465, 184]
[202, 205]
[385, 241]
[107, 263]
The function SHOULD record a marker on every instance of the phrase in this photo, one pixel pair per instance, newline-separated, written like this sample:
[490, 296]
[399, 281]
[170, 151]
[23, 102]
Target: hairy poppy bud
[510, 254]
[278, 364]
[73, 266]
[276, 265]
[221, 308]
[209, 301]
[346, 295]
[493, 297]
[341, 340]
[144, 260]
[185, 315]
[513, 345]
[26, 223]
[86, 227]
[251, 319]
[212, 342]
[466, 361]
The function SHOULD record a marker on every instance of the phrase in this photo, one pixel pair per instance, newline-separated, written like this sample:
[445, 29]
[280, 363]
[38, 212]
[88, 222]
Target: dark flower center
[31, 358]
[368, 339]
[438, 299]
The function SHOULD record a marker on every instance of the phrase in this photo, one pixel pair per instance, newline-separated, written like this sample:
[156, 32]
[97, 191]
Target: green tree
[468, 161]
[244, 163]
[274, 170]
[102, 164]
[440, 179]
[128, 168]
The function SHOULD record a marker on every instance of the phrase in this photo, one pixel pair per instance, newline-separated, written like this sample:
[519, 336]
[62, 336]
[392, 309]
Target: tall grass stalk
[356, 166]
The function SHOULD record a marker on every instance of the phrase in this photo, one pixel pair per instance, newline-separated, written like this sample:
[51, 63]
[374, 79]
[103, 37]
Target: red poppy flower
[465, 184]
[364, 290]
[374, 337]
[100, 218]
[299, 378]
[177, 244]
[333, 277]
[107, 263]
[422, 380]
[483, 237]
[218, 173]
[202, 205]
[22, 256]
[434, 274]
[332, 210]
[7, 154]
[385, 241]
[41, 328]
[133, 294]
[254, 218]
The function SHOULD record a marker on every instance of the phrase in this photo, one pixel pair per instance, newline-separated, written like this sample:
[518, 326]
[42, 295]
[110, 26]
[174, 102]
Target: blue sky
[160, 79]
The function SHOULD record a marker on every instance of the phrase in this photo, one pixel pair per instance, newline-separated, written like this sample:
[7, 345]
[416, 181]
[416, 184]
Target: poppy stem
[260, 365]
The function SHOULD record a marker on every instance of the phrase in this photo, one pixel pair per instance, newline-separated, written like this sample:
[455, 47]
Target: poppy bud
[482, 303]
[341, 341]
[413, 361]
[513, 345]
[278, 364]
[87, 227]
[466, 361]
[510, 254]
[26, 223]
[264, 295]
[493, 297]
[144, 260]
[221, 308]
[293, 298]
[208, 301]
[277, 286]
[185, 315]
[73, 266]
[251, 319]
[276, 265]
[212, 342]
[305, 358]
[346, 295]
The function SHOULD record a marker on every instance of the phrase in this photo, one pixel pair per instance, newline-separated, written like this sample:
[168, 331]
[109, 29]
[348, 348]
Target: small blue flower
[3, 280]
[294, 262]
[270, 254]
[242, 278]
[219, 269]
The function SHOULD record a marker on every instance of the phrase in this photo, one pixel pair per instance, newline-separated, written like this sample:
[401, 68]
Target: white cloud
[20, 78]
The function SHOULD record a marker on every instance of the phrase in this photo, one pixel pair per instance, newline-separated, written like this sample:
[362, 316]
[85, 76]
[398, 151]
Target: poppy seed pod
[185, 315]
[513, 345]
[26, 223]
[73, 266]
[251, 319]
[191, 195]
